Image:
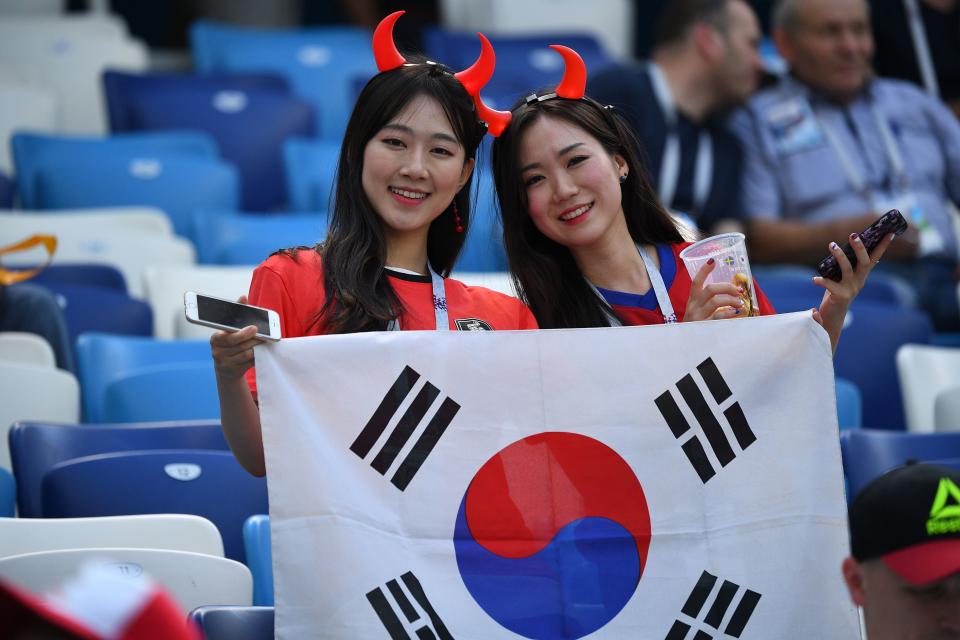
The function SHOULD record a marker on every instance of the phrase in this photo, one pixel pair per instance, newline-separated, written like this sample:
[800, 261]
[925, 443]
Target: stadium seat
[103, 359]
[23, 108]
[177, 532]
[866, 355]
[849, 405]
[234, 623]
[165, 287]
[234, 238]
[182, 391]
[8, 494]
[483, 248]
[797, 292]
[210, 484]
[524, 63]
[946, 409]
[192, 579]
[867, 453]
[256, 544]
[26, 348]
[33, 392]
[69, 56]
[35, 447]
[310, 167]
[101, 276]
[321, 63]
[924, 371]
[88, 309]
[249, 122]
[128, 242]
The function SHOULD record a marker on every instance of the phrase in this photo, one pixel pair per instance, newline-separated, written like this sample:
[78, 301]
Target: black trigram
[690, 614]
[430, 630]
[705, 416]
[405, 427]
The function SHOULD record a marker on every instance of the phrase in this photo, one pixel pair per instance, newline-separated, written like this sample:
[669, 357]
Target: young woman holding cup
[587, 241]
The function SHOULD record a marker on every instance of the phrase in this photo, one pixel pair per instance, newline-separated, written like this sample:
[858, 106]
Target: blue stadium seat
[248, 122]
[104, 359]
[868, 453]
[321, 63]
[230, 237]
[102, 276]
[483, 249]
[849, 405]
[256, 544]
[182, 391]
[100, 309]
[786, 292]
[176, 184]
[6, 191]
[8, 500]
[234, 623]
[524, 63]
[310, 167]
[866, 356]
[32, 151]
[210, 484]
[35, 447]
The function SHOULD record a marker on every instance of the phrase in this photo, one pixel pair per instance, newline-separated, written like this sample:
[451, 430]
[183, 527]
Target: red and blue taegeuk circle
[552, 535]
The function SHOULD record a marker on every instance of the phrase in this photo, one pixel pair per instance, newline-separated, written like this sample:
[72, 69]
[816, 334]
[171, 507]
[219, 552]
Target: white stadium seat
[924, 371]
[164, 288]
[26, 348]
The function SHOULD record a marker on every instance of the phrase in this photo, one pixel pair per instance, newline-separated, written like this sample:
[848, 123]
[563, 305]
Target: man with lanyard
[705, 62]
[831, 148]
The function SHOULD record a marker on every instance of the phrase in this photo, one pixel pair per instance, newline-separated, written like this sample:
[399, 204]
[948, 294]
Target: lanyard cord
[659, 290]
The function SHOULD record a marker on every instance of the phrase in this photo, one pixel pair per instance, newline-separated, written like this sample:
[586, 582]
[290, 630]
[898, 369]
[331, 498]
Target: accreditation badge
[931, 242]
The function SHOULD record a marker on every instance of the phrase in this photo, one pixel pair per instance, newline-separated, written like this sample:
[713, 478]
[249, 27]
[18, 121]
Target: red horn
[574, 81]
[474, 77]
[496, 121]
[384, 48]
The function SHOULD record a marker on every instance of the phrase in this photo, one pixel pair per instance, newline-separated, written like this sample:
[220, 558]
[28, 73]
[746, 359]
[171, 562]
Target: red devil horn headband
[574, 83]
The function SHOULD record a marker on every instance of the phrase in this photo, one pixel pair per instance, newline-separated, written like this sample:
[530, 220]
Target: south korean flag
[663, 482]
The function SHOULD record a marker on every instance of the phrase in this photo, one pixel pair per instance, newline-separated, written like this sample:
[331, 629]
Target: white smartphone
[230, 316]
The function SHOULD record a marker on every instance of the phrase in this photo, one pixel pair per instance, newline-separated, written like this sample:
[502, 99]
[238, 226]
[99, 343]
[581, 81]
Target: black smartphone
[890, 222]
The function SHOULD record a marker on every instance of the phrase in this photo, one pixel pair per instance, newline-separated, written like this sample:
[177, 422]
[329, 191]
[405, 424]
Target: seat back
[165, 287]
[182, 391]
[234, 238]
[868, 453]
[23, 108]
[234, 623]
[310, 167]
[104, 359]
[785, 291]
[192, 579]
[924, 371]
[256, 544]
[35, 447]
[64, 223]
[210, 484]
[946, 409]
[849, 405]
[31, 152]
[483, 248]
[155, 531]
[866, 355]
[26, 348]
[320, 63]
[8, 494]
[249, 123]
[33, 392]
[100, 276]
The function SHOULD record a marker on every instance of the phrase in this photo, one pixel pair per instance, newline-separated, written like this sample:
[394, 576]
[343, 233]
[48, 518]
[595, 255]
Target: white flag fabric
[653, 482]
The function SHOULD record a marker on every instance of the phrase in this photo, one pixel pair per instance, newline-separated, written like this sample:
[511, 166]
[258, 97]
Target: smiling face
[412, 168]
[572, 184]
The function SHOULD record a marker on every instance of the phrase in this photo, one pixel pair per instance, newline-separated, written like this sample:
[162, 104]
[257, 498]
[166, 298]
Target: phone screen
[232, 314]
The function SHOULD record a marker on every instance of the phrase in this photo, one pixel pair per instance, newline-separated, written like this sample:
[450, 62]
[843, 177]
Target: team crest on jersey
[472, 324]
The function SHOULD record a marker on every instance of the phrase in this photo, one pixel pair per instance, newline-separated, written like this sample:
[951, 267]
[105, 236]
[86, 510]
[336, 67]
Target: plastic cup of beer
[730, 252]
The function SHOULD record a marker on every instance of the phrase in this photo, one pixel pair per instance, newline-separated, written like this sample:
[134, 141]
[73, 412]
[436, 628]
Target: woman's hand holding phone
[233, 350]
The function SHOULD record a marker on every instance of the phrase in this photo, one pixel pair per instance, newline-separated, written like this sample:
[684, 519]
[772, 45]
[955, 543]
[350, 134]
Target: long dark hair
[546, 276]
[358, 294]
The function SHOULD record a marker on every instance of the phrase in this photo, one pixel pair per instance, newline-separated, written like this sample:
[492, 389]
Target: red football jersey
[633, 309]
[293, 287]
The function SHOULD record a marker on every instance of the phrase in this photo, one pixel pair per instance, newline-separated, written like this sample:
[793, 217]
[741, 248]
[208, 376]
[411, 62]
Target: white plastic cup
[730, 252]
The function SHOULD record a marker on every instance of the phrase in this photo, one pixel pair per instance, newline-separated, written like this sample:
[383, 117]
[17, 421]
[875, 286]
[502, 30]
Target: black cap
[910, 518]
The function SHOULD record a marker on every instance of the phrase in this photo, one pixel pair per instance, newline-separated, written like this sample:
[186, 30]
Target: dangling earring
[456, 218]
